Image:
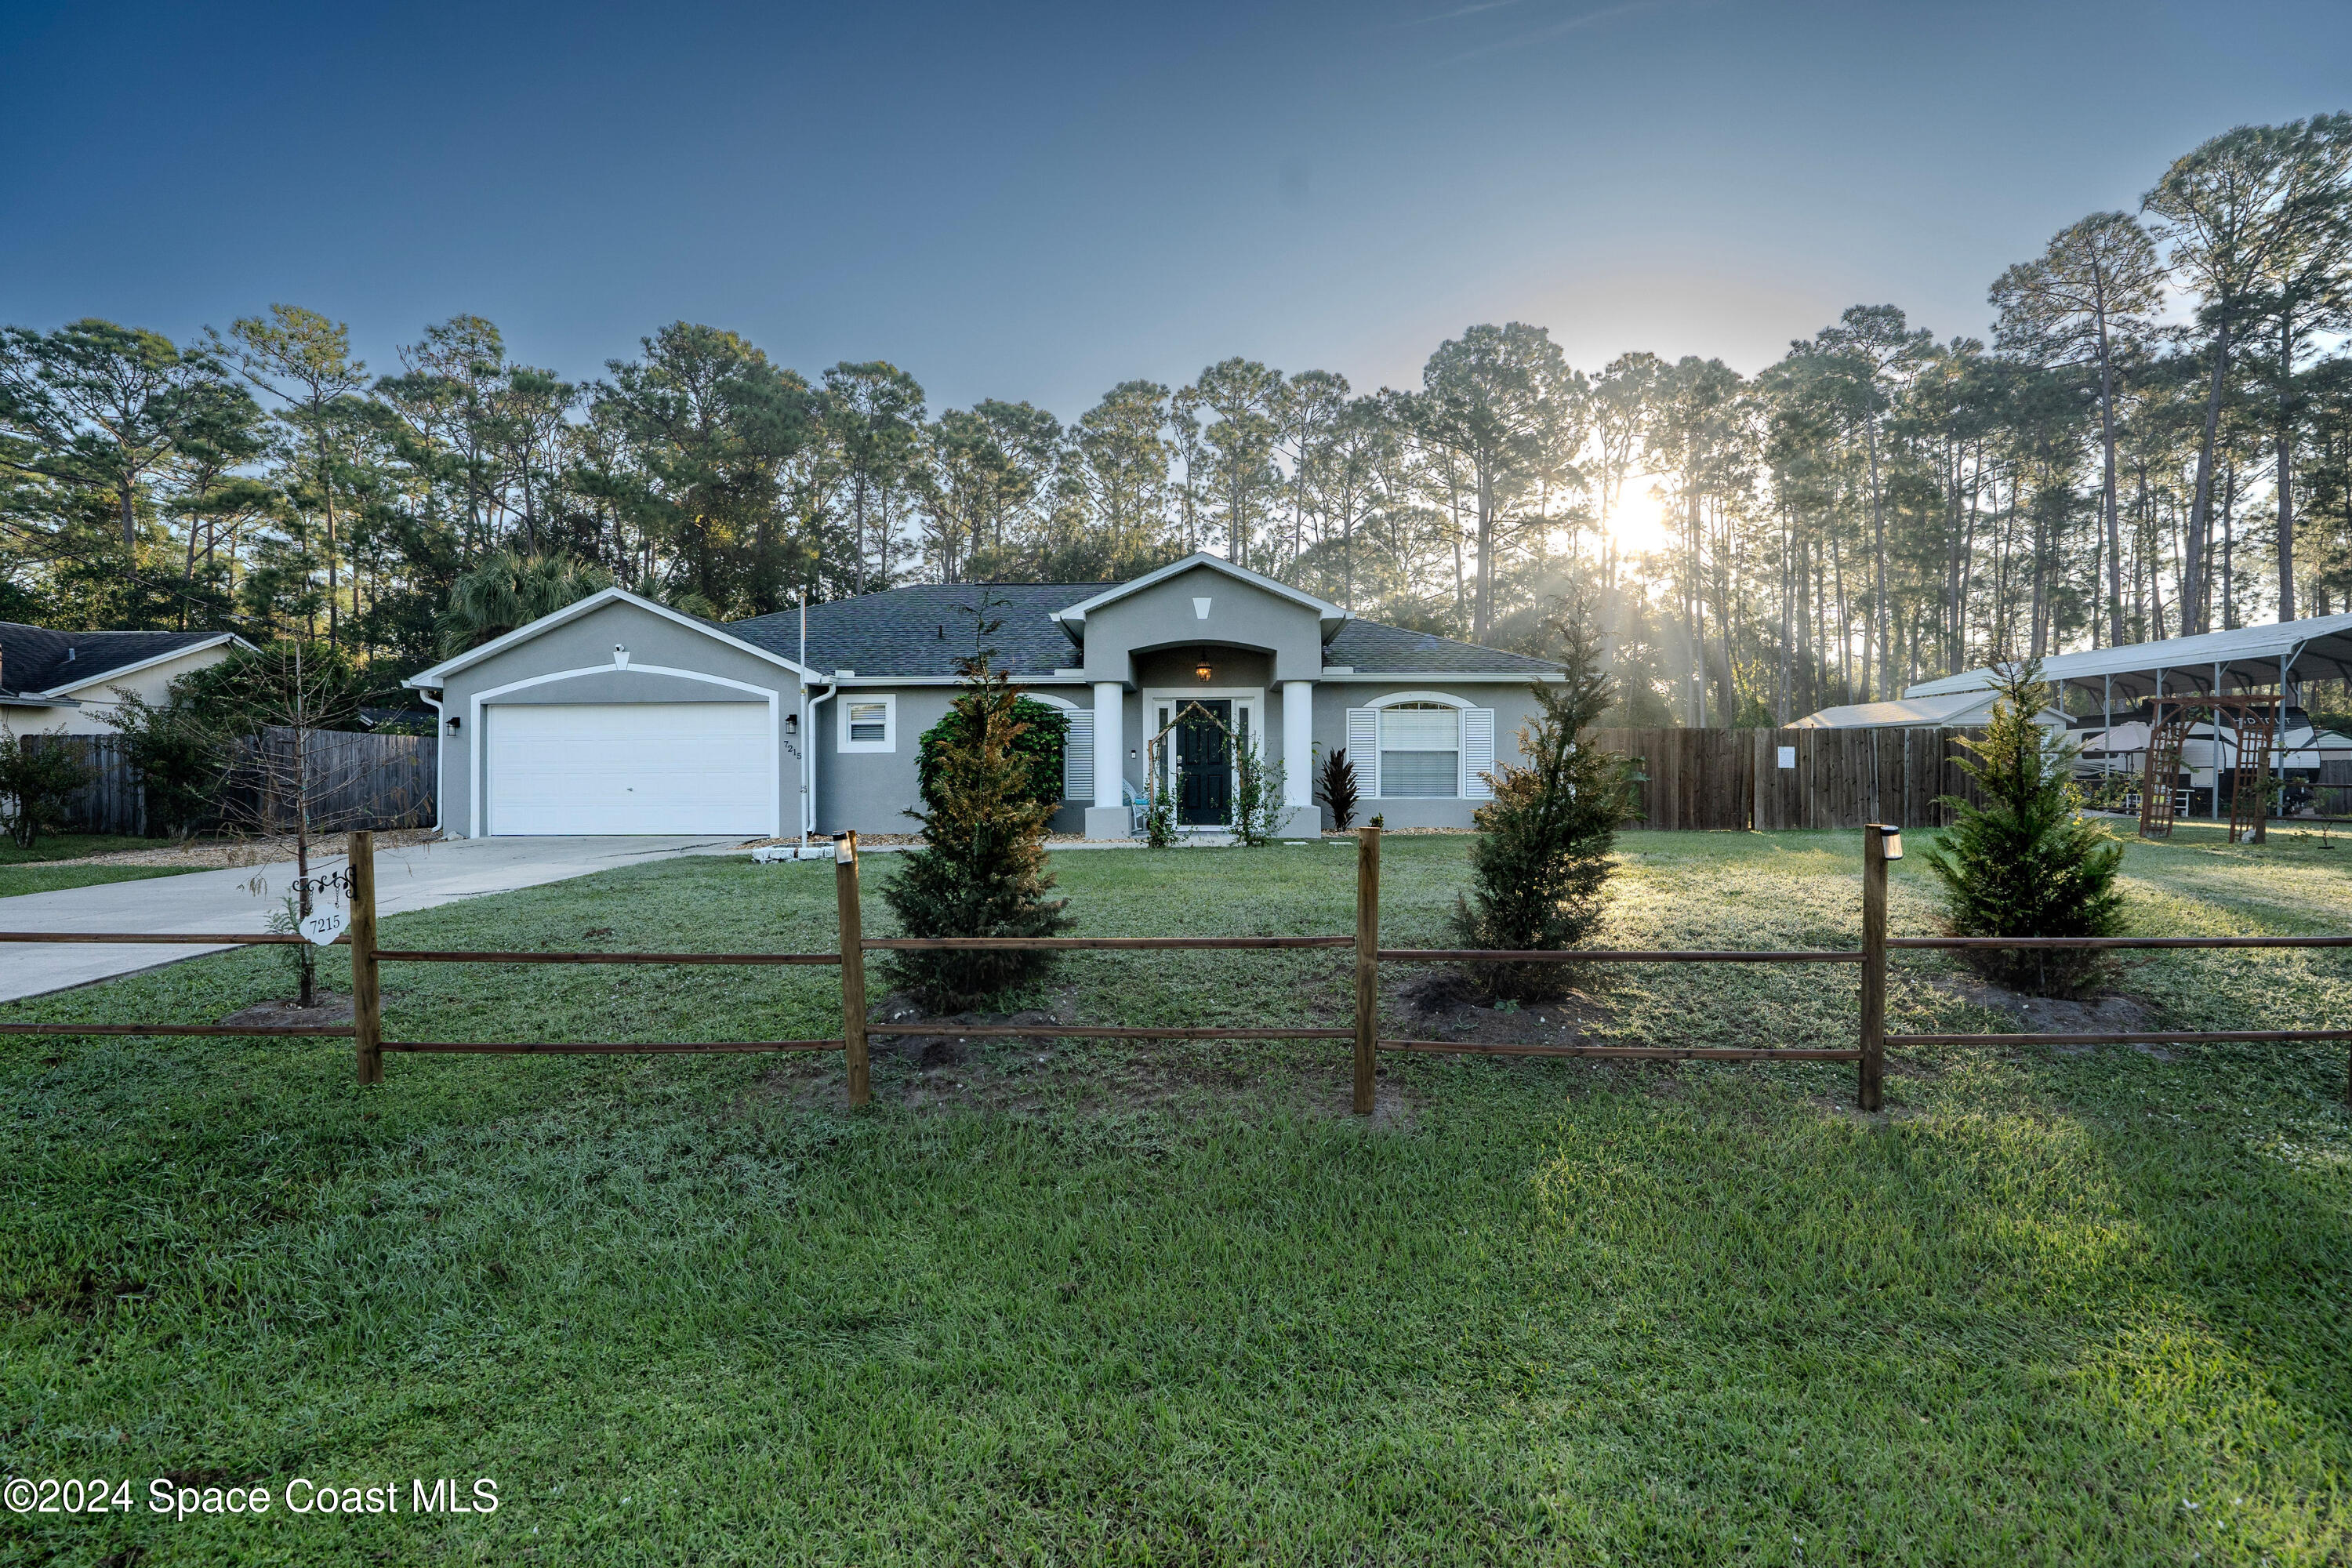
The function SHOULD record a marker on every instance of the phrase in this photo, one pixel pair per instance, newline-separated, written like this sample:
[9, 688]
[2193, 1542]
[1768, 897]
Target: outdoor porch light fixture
[1203, 669]
[791, 726]
[452, 723]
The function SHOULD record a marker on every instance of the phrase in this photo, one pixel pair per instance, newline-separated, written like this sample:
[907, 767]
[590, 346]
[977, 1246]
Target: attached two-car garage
[629, 767]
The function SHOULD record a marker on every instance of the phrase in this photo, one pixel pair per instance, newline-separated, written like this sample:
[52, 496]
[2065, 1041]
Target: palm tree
[508, 590]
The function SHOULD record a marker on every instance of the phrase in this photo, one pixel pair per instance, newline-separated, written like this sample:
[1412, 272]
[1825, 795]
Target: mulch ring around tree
[1442, 1003]
[332, 1008]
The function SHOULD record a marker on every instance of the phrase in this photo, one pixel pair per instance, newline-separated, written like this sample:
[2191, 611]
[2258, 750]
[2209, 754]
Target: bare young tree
[271, 714]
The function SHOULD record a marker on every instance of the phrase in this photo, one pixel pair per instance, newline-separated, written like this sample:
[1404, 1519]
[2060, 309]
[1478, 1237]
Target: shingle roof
[923, 629]
[35, 658]
[1372, 648]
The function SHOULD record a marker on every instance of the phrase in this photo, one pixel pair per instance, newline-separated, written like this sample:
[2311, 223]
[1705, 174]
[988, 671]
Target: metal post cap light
[1890, 840]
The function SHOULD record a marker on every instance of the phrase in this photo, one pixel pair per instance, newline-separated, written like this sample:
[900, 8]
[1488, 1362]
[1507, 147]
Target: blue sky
[1038, 202]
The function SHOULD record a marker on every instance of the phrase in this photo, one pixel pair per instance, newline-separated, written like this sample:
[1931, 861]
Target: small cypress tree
[2027, 862]
[981, 867]
[1538, 867]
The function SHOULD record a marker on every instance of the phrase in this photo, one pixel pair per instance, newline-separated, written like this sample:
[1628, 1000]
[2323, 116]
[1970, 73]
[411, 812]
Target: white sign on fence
[324, 926]
[1788, 756]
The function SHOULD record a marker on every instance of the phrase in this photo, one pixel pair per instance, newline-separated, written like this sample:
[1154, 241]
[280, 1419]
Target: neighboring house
[53, 682]
[618, 715]
[1963, 709]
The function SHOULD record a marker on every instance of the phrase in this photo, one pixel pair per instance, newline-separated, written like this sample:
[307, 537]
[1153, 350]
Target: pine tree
[2027, 862]
[1542, 856]
[981, 867]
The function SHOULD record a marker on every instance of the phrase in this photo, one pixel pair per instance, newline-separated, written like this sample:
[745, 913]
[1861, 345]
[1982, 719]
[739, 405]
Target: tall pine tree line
[1880, 506]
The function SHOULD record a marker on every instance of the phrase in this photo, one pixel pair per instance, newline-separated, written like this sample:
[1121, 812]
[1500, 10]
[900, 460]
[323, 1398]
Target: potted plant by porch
[980, 869]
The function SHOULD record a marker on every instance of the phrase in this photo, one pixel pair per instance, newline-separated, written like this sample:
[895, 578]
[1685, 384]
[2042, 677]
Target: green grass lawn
[67, 847]
[29, 871]
[1138, 1305]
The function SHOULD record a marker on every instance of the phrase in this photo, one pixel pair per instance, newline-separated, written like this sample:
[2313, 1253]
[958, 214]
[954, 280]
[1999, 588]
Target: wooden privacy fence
[113, 801]
[1734, 780]
[1880, 843]
[355, 781]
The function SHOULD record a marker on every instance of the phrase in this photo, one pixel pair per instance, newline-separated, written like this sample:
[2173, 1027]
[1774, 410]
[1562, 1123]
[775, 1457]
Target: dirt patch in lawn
[332, 1008]
[942, 1068]
[1442, 1004]
[2112, 1013]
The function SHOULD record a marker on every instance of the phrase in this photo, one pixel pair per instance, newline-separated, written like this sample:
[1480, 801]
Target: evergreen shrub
[980, 870]
[1043, 736]
[34, 781]
[2026, 862]
[1540, 864]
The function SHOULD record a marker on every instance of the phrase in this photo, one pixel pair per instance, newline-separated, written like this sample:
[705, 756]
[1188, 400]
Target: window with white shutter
[1364, 750]
[1421, 751]
[1477, 752]
[1078, 758]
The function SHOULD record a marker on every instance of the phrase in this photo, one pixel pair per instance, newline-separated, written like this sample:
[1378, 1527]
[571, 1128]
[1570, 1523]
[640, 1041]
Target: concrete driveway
[243, 898]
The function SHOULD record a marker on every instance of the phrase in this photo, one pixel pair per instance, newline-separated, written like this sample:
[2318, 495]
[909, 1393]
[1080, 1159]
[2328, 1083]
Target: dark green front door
[1205, 763]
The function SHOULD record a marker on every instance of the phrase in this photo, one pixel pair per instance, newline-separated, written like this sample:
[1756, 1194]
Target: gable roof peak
[1326, 611]
[438, 673]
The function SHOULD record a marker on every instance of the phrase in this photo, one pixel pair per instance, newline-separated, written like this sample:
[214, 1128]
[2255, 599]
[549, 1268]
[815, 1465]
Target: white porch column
[1298, 743]
[1110, 747]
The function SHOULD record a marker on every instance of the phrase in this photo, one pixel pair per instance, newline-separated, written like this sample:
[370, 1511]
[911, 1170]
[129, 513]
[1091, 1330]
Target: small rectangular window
[868, 724]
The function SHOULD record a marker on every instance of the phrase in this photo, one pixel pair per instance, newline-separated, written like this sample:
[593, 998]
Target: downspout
[808, 753]
[440, 746]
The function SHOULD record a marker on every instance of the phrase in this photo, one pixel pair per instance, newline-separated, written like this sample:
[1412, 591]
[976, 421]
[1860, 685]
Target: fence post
[853, 967]
[1367, 964]
[1874, 966]
[367, 990]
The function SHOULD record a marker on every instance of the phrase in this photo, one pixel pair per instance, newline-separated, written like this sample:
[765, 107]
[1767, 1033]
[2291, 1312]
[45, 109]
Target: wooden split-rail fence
[1880, 843]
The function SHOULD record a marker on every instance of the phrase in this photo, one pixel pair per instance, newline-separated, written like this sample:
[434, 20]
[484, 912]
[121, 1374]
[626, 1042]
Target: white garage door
[630, 767]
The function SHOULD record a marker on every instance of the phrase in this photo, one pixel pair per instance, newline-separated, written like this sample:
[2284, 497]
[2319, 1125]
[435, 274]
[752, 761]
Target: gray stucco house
[618, 715]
